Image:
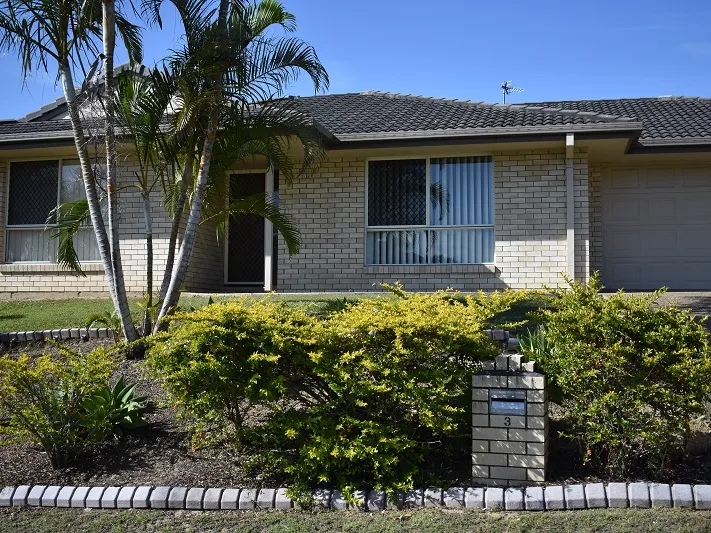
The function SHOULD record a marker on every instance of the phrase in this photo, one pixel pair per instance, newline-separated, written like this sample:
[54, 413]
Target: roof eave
[344, 140]
[622, 126]
[671, 145]
[487, 132]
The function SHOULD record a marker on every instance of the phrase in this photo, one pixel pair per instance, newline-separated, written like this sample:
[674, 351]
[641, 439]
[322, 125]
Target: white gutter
[570, 201]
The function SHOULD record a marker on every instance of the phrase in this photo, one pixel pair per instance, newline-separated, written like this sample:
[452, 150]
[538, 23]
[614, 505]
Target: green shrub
[113, 410]
[396, 371]
[221, 361]
[42, 398]
[630, 374]
[354, 399]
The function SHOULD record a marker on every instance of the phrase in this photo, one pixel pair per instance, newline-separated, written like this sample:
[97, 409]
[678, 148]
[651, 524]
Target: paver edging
[532, 498]
[55, 335]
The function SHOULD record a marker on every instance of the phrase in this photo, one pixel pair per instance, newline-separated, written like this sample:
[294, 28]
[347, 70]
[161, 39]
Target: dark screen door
[245, 247]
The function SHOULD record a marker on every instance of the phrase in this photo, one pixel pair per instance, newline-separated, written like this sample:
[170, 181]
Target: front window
[430, 211]
[36, 189]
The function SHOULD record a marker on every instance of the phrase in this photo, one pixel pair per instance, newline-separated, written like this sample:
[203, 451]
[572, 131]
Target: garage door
[657, 228]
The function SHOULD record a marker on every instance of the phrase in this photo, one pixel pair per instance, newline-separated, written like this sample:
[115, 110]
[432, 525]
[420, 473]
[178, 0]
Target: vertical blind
[459, 228]
[36, 188]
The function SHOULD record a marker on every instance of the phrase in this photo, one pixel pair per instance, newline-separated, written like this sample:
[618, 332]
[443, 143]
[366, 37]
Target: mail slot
[507, 402]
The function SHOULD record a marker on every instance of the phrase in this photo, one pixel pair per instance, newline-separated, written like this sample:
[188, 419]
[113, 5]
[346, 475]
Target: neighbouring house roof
[666, 119]
[358, 119]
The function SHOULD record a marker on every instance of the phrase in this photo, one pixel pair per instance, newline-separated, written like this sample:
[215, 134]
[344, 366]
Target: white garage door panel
[657, 228]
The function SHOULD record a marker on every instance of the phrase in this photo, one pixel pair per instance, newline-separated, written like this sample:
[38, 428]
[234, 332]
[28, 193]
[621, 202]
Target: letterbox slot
[507, 402]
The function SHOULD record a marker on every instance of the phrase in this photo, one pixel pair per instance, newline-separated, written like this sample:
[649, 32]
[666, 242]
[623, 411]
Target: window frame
[428, 225]
[8, 227]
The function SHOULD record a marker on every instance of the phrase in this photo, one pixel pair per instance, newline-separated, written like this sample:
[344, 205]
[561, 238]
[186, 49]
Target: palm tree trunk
[186, 247]
[97, 220]
[148, 220]
[109, 38]
[177, 219]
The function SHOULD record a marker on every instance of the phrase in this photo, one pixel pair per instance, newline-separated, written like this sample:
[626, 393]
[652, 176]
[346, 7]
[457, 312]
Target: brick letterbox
[509, 423]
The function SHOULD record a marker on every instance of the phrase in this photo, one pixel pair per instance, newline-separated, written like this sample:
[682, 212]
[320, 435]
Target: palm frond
[69, 218]
[264, 206]
[269, 66]
[131, 37]
[258, 17]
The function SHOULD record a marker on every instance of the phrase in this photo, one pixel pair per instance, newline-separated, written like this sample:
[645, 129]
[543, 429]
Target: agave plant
[113, 410]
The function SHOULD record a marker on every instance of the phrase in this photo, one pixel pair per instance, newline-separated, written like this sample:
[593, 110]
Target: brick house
[430, 192]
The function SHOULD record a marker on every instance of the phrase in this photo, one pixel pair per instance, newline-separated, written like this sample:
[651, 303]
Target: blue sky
[554, 49]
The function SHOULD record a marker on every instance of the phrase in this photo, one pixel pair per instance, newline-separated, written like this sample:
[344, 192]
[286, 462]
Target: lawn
[429, 520]
[31, 315]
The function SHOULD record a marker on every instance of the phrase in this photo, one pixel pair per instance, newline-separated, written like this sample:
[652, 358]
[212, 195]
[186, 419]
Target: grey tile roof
[47, 130]
[21, 127]
[665, 117]
[378, 112]
[378, 115]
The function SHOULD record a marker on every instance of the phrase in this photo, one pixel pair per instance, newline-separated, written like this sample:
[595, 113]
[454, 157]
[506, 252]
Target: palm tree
[45, 34]
[160, 145]
[234, 72]
[109, 42]
[140, 106]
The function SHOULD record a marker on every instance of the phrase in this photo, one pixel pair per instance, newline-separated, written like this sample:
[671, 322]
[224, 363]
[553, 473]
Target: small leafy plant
[107, 319]
[113, 410]
[41, 399]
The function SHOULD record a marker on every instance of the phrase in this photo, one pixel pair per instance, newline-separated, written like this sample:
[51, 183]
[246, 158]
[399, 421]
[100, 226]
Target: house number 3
[507, 421]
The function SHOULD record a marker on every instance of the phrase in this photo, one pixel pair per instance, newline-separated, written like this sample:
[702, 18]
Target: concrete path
[698, 302]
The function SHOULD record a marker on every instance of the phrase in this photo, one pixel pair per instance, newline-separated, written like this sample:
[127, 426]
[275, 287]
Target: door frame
[268, 232]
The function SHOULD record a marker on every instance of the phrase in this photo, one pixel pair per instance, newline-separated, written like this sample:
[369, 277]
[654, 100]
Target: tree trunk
[147, 325]
[109, 38]
[97, 220]
[177, 219]
[186, 247]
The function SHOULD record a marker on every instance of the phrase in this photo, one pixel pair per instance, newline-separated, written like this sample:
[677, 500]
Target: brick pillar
[509, 423]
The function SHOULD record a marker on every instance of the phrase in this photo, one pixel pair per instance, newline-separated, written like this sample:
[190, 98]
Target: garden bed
[156, 455]
[160, 454]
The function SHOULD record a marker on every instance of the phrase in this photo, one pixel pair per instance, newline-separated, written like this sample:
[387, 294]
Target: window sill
[488, 268]
[35, 268]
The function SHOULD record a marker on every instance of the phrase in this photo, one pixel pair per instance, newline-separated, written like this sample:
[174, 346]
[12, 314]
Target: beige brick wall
[3, 209]
[530, 226]
[530, 215]
[18, 280]
[206, 272]
[582, 216]
[595, 201]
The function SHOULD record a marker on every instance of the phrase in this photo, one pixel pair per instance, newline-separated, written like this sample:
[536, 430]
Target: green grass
[426, 520]
[31, 315]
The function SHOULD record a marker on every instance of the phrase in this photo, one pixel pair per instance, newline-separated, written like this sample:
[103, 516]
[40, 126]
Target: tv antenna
[508, 88]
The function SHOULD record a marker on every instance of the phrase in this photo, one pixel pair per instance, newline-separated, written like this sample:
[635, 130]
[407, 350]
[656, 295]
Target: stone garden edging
[533, 498]
[56, 335]
[508, 342]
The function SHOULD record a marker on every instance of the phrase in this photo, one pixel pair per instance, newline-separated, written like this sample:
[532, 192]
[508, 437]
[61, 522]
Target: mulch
[160, 454]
